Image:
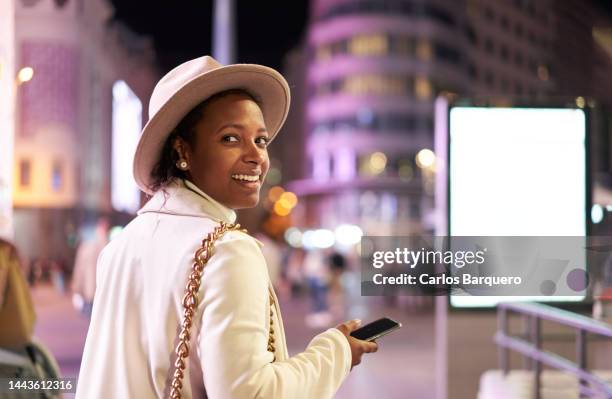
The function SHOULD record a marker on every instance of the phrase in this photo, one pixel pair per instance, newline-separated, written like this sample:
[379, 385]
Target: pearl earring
[182, 164]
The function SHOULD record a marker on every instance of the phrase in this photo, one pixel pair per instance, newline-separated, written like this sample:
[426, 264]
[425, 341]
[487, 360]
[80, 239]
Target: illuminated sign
[516, 172]
[127, 124]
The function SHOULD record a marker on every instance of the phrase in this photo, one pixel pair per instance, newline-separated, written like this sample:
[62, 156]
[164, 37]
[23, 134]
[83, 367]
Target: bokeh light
[275, 192]
[377, 163]
[348, 234]
[425, 158]
[597, 213]
[293, 236]
[25, 74]
[289, 199]
[280, 209]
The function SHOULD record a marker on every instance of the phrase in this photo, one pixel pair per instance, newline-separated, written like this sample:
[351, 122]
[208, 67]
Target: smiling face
[228, 159]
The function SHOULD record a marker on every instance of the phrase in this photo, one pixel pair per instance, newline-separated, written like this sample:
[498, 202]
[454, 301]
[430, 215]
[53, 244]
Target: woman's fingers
[353, 325]
[370, 347]
[358, 347]
[349, 326]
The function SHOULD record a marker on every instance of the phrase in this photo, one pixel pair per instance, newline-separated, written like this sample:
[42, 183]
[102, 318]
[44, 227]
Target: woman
[201, 156]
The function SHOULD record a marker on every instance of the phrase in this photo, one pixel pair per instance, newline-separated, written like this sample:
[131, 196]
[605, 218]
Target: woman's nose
[254, 154]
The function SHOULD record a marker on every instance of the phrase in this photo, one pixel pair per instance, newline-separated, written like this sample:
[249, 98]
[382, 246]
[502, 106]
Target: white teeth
[246, 177]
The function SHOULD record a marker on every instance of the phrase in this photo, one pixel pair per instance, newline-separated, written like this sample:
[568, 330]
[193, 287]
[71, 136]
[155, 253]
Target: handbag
[190, 303]
[17, 315]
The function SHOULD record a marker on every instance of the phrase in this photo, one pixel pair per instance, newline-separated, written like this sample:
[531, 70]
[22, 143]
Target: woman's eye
[262, 141]
[230, 139]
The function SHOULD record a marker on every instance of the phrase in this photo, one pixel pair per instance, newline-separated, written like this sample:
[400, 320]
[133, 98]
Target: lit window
[374, 84]
[321, 166]
[422, 88]
[25, 173]
[56, 176]
[323, 53]
[403, 45]
[543, 73]
[344, 164]
[424, 50]
[369, 45]
[373, 164]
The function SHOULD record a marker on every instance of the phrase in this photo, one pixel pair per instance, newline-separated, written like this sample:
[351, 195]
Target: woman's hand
[358, 347]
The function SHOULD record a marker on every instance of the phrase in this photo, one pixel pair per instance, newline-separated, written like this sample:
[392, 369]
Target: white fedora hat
[192, 82]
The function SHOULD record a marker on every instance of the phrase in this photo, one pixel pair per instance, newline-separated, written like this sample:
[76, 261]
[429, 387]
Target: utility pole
[224, 32]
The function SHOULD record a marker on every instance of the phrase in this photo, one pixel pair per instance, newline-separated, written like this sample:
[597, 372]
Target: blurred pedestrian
[21, 356]
[337, 265]
[272, 254]
[58, 277]
[294, 271]
[84, 275]
[317, 276]
[17, 315]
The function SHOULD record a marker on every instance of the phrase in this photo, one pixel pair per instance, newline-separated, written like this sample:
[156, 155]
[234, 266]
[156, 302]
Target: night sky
[182, 30]
[266, 29]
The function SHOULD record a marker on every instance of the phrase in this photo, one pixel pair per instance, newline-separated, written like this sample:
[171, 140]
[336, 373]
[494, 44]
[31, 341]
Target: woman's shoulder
[239, 242]
[237, 257]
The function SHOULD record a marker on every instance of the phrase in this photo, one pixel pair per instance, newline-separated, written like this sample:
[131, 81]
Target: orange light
[280, 209]
[284, 203]
[275, 193]
[289, 199]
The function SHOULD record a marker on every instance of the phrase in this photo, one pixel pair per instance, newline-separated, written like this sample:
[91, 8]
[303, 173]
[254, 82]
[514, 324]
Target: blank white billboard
[516, 172]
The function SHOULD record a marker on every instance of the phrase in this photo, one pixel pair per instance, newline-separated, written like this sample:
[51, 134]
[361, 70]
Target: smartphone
[376, 329]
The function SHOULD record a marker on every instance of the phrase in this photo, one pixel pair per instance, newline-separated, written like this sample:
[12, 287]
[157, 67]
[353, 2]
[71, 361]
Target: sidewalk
[402, 368]
[60, 328]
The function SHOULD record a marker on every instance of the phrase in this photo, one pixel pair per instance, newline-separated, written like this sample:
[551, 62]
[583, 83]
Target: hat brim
[267, 85]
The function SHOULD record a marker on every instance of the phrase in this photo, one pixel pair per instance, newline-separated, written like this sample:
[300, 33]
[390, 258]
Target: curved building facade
[374, 69]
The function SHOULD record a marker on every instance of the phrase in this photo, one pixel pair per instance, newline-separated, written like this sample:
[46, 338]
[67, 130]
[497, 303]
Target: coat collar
[183, 198]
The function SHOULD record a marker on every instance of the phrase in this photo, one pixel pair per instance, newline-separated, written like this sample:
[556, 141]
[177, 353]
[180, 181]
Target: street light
[425, 159]
[25, 74]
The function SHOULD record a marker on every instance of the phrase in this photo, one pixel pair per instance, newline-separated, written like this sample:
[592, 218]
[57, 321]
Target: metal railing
[535, 357]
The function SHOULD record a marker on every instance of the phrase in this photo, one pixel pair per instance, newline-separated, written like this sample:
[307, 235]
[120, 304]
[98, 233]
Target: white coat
[140, 283]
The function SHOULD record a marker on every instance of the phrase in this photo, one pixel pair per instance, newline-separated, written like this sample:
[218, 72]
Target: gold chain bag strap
[190, 303]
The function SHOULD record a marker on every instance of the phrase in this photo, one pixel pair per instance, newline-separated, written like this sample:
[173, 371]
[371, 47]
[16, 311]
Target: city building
[82, 67]
[511, 49]
[373, 70]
